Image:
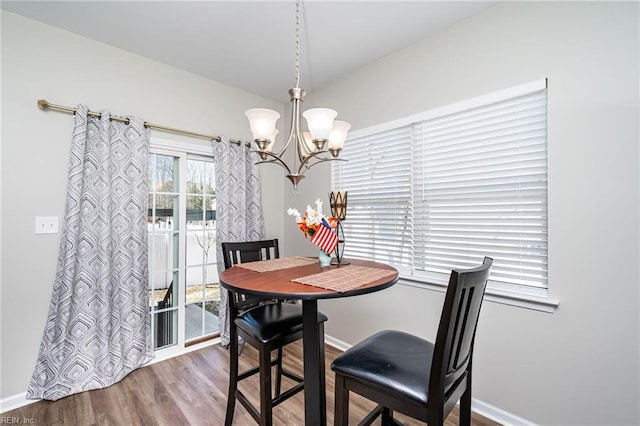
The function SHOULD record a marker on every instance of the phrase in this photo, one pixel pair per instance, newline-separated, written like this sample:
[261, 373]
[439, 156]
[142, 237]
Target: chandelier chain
[297, 43]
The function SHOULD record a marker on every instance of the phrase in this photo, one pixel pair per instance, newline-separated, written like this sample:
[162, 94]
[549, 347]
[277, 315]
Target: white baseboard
[336, 343]
[15, 401]
[480, 407]
[497, 414]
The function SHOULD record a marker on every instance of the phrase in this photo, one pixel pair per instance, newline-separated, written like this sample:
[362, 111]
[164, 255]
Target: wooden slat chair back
[413, 376]
[235, 253]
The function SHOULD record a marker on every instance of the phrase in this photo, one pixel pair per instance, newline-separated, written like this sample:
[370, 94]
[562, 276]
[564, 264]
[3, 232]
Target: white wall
[40, 61]
[579, 365]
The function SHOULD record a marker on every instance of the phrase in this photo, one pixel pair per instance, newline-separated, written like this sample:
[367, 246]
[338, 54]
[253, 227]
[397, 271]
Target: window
[442, 189]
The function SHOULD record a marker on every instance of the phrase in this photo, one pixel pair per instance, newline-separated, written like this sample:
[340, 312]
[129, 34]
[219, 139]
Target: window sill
[542, 304]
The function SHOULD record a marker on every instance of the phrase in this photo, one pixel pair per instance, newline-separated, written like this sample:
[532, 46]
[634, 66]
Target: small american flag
[325, 238]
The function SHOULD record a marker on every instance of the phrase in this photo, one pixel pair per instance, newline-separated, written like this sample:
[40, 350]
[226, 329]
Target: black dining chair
[407, 374]
[267, 325]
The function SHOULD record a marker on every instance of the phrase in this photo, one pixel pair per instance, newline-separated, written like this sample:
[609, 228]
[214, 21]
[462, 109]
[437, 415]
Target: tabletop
[279, 283]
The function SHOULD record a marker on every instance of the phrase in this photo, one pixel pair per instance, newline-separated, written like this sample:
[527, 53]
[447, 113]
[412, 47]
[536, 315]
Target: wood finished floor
[190, 390]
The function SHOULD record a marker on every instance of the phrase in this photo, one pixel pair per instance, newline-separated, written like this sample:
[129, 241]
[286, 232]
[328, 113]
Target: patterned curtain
[238, 208]
[98, 328]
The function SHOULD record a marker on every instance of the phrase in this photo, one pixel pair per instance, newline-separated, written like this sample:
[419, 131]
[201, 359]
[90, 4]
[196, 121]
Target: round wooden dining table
[278, 284]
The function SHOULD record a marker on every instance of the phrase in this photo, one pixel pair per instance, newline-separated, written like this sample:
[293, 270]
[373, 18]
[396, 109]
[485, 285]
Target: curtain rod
[43, 104]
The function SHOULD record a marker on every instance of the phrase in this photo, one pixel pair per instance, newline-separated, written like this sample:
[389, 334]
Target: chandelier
[309, 147]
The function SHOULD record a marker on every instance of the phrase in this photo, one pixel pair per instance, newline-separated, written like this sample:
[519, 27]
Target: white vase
[325, 259]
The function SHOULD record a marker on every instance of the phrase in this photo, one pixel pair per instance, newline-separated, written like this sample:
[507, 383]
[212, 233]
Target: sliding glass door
[164, 225]
[203, 289]
[184, 293]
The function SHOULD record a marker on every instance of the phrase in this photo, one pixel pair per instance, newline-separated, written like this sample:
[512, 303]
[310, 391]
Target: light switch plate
[46, 225]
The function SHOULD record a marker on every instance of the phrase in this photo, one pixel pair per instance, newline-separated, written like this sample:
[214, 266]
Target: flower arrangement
[311, 220]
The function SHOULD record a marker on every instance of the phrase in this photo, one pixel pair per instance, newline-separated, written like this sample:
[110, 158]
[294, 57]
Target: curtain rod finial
[43, 103]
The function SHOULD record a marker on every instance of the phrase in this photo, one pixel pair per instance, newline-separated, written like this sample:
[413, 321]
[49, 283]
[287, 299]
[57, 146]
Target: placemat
[276, 264]
[345, 278]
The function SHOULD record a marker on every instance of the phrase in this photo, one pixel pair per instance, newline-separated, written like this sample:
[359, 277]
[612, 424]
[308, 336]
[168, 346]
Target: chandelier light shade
[262, 122]
[320, 123]
[338, 136]
[268, 147]
[310, 148]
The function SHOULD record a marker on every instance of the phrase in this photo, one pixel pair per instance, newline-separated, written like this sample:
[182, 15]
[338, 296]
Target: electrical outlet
[47, 225]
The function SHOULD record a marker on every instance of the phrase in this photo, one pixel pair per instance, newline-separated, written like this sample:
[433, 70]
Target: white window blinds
[379, 199]
[451, 186]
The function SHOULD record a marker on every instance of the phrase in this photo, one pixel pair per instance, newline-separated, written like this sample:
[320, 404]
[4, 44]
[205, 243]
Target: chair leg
[266, 404]
[465, 406]
[323, 377]
[233, 375]
[279, 372]
[387, 417]
[341, 407]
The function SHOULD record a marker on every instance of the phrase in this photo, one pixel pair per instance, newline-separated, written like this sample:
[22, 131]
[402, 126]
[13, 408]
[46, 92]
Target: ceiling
[251, 44]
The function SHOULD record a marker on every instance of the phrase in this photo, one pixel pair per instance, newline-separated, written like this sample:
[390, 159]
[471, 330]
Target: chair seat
[273, 321]
[391, 360]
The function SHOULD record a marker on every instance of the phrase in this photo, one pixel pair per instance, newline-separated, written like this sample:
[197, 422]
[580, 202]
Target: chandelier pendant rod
[298, 44]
